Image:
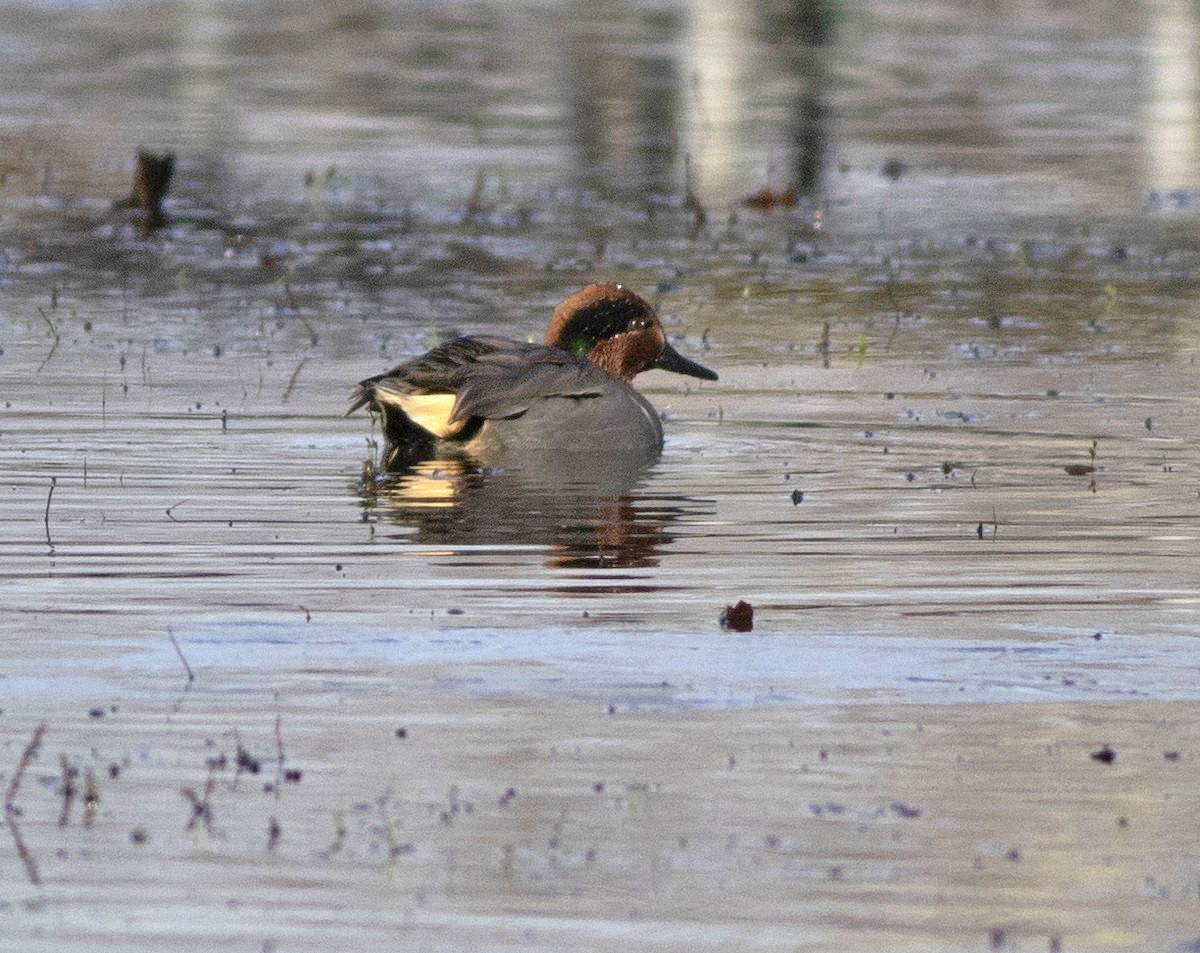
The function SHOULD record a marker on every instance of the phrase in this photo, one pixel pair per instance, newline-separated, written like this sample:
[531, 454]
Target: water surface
[951, 461]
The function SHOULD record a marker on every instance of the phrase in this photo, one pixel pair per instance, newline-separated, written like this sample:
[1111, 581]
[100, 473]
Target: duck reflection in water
[583, 511]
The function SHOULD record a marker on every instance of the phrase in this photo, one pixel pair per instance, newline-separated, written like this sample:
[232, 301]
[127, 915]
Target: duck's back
[494, 395]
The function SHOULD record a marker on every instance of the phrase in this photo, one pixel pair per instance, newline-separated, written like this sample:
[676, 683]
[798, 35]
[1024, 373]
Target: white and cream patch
[431, 412]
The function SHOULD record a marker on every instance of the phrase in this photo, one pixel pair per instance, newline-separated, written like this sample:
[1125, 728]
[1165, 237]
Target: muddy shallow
[951, 460]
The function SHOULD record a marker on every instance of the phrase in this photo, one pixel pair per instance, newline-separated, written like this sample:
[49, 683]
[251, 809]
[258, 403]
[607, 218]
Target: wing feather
[478, 378]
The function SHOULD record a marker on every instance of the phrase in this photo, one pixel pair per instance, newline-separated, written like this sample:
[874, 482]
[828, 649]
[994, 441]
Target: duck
[493, 397]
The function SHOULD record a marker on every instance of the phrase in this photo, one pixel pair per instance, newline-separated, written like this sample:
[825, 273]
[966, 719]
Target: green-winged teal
[492, 396]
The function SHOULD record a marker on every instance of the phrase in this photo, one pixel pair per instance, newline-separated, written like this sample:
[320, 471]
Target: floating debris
[151, 179]
[739, 617]
[768, 199]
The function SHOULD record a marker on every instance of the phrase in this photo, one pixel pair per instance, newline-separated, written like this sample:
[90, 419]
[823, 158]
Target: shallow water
[516, 720]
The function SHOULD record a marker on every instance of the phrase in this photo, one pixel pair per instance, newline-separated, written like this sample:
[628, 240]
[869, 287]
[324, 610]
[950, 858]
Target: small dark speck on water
[797, 497]
[246, 762]
[1105, 755]
[455, 611]
[401, 733]
[1098, 636]
[96, 713]
[1171, 755]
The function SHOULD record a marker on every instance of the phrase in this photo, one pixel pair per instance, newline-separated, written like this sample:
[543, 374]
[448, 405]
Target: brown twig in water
[278, 749]
[201, 805]
[890, 290]
[312, 332]
[46, 517]
[91, 798]
[27, 756]
[178, 651]
[475, 202]
[68, 790]
[690, 202]
[54, 346]
[295, 377]
[23, 852]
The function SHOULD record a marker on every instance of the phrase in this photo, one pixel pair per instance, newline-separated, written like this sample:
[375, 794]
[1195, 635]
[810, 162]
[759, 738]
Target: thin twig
[68, 791]
[31, 870]
[27, 756]
[54, 346]
[172, 506]
[278, 749]
[312, 332]
[295, 377]
[91, 798]
[178, 651]
[46, 517]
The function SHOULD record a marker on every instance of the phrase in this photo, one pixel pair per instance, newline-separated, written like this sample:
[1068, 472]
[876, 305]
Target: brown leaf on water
[1079, 469]
[738, 617]
[768, 199]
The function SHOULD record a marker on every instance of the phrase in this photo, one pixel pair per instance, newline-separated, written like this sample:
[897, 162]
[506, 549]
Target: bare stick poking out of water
[31, 870]
[68, 790]
[291, 385]
[178, 651]
[278, 748]
[54, 346]
[27, 756]
[46, 517]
